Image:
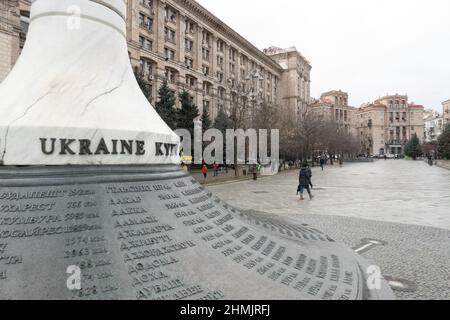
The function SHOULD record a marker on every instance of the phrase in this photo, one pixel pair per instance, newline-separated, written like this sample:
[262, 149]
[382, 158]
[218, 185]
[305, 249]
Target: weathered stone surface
[151, 232]
[79, 94]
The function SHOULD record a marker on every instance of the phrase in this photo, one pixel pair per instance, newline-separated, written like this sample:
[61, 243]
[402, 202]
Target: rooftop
[334, 92]
[273, 50]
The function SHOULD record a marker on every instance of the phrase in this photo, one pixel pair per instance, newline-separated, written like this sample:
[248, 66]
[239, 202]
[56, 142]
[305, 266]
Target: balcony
[396, 142]
[206, 44]
[169, 39]
[172, 19]
[149, 6]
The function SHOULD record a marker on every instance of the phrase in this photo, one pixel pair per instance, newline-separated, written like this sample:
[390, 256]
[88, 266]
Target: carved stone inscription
[160, 240]
[65, 218]
[260, 252]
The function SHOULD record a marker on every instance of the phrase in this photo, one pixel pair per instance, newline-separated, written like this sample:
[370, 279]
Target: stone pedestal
[93, 204]
[152, 232]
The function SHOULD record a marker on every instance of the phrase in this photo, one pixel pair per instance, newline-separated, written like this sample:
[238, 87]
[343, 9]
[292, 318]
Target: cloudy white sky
[365, 47]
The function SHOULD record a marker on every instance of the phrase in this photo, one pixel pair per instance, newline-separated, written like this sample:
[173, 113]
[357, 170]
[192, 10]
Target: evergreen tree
[166, 105]
[143, 84]
[413, 148]
[206, 120]
[222, 122]
[187, 113]
[444, 143]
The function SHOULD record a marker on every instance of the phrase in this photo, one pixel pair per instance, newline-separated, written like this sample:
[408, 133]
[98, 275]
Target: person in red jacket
[205, 171]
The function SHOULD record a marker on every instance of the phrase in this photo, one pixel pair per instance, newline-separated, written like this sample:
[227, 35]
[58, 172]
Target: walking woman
[305, 181]
[205, 171]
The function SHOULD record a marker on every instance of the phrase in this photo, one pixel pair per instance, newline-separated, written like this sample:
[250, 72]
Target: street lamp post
[248, 90]
[253, 77]
[435, 153]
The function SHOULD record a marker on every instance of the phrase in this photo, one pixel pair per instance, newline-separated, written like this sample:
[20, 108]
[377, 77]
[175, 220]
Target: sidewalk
[221, 178]
[230, 176]
[444, 164]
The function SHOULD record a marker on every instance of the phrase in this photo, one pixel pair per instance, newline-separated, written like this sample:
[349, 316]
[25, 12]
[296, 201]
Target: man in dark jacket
[305, 181]
[322, 162]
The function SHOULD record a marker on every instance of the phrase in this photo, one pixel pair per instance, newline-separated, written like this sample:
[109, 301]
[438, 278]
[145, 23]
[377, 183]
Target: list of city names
[150, 233]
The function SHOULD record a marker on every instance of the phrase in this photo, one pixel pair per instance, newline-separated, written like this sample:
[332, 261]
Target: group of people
[205, 170]
[254, 169]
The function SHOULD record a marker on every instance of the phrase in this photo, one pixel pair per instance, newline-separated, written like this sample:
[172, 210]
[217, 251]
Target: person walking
[205, 171]
[216, 169]
[322, 162]
[305, 181]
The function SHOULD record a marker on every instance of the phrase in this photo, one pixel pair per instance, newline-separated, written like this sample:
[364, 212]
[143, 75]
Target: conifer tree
[166, 105]
[413, 148]
[187, 113]
[444, 143]
[206, 120]
[144, 85]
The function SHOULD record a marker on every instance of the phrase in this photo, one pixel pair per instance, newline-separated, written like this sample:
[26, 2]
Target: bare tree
[266, 116]
[240, 115]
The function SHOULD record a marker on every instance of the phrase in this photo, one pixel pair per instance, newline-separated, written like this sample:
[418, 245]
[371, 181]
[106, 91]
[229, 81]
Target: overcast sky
[367, 48]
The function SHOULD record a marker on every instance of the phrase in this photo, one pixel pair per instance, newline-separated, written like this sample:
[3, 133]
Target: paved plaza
[403, 204]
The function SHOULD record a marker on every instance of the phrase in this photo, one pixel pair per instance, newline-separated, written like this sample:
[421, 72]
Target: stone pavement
[444, 164]
[223, 176]
[393, 190]
[404, 204]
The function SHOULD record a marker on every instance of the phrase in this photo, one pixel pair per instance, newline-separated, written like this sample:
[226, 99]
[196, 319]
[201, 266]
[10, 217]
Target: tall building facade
[14, 20]
[446, 111]
[181, 41]
[333, 105]
[295, 79]
[433, 125]
[385, 125]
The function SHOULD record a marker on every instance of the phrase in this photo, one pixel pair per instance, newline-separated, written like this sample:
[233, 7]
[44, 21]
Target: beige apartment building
[385, 125]
[333, 106]
[181, 41]
[295, 77]
[14, 20]
[433, 125]
[446, 111]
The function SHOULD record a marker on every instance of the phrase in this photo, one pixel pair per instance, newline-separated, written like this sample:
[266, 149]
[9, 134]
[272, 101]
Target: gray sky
[365, 47]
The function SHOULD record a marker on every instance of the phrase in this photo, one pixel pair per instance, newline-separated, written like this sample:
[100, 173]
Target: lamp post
[253, 78]
[435, 153]
[247, 89]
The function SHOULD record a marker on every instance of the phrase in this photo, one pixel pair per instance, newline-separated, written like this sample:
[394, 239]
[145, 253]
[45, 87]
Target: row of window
[341, 114]
[340, 100]
[169, 54]
[189, 62]
[147, 22]
[146, 68]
